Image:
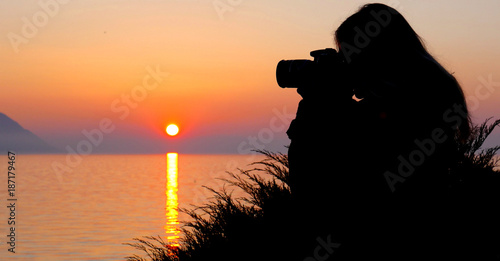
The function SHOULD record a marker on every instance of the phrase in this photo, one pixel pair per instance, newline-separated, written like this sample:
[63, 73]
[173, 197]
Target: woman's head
[383, 51]
[377, 31]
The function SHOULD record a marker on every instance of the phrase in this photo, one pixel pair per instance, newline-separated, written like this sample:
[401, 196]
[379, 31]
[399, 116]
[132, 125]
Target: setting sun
[172, 129]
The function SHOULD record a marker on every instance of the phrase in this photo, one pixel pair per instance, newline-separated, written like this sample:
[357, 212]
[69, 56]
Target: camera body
[302, 73]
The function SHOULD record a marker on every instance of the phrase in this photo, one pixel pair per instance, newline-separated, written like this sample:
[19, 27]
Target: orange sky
[85, 55]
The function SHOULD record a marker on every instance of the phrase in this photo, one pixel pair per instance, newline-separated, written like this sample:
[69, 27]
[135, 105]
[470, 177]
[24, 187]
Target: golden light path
[172, 203]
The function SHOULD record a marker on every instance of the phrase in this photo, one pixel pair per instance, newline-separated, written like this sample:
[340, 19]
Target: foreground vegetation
[258, 225]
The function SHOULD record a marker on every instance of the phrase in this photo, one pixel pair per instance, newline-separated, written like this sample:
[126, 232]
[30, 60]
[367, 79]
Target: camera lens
[293, 73]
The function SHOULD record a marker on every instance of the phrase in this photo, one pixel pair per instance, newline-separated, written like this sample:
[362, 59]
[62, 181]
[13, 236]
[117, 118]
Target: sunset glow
[211, 70]
[158, 130]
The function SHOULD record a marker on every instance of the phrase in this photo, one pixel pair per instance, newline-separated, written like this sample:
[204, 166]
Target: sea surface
[84, 208]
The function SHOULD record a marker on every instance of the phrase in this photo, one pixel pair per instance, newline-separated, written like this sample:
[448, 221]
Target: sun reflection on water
[172, 203]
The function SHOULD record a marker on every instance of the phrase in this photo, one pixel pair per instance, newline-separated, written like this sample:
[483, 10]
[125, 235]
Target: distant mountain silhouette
[15, 138]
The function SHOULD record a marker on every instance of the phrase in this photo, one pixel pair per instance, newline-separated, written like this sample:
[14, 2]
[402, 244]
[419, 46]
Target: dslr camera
[322, 71]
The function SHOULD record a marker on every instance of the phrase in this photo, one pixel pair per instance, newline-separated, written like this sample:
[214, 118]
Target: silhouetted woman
[374, 173]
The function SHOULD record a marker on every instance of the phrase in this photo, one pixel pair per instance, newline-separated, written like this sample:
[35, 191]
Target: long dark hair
[380, 40]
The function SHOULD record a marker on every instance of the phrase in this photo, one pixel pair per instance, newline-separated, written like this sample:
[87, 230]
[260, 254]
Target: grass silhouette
[477, 171]
[260, 226]
[224, 227]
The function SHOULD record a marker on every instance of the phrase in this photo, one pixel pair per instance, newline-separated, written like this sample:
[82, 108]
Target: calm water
[105, 200]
